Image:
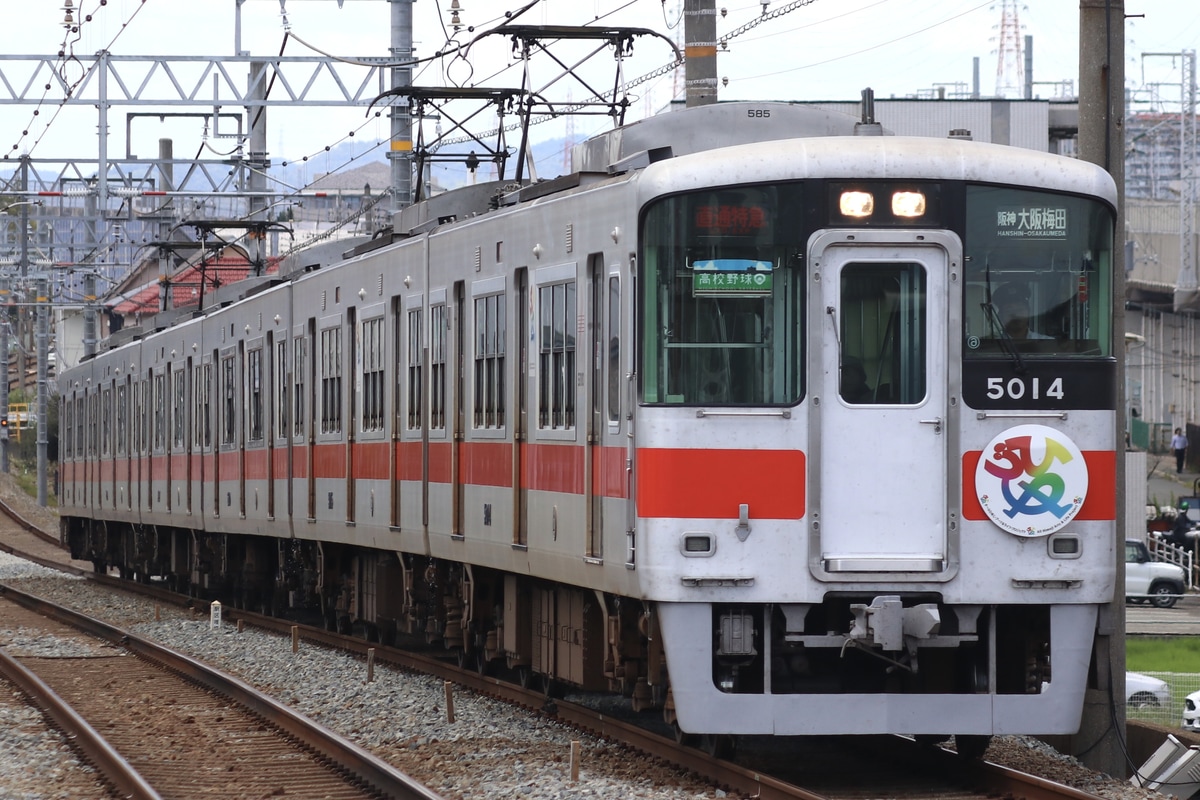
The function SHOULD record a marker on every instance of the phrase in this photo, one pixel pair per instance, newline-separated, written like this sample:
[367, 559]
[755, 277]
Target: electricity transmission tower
[1010, 59]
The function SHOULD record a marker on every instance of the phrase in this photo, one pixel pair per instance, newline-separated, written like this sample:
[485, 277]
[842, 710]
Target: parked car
[1191, 711]
[1143, 691]
[1146, 579]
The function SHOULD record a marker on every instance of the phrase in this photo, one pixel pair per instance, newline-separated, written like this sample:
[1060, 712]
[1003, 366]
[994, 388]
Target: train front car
[875, 461]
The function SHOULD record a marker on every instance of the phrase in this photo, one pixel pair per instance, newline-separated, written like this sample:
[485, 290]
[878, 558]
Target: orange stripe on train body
[1101, 500]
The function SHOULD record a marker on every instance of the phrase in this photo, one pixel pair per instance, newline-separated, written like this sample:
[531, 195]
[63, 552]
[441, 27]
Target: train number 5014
[1020, 389]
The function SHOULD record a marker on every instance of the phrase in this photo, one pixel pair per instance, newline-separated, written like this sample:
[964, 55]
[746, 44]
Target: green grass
[27, 479]
[1162, 654]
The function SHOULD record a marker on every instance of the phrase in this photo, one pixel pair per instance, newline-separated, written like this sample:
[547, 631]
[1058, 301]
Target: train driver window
[1012, 313]
[1038, 275]
[722, 298]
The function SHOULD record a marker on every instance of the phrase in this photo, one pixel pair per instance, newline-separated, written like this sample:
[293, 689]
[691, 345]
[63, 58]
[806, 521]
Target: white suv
[1146, 579]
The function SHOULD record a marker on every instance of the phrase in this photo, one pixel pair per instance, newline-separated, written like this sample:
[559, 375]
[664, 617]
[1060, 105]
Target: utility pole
[400, 153]
[43, 385]
[700, 51]
[256, 167]
[1188, 284]
[1098, 744]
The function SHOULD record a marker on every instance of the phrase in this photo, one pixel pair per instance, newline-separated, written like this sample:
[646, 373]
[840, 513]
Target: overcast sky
[828, 49]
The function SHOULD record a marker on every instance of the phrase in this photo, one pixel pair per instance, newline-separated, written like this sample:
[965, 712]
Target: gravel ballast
[490, 750]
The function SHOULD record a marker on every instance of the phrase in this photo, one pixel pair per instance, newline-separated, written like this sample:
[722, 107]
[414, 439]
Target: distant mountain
[356, 168]
[350, 165]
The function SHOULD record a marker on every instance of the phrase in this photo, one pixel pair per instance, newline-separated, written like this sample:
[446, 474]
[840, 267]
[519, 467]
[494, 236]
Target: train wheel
[931, 739]
[972, 746]
[685, 739]
[525, 676]
[719, 745]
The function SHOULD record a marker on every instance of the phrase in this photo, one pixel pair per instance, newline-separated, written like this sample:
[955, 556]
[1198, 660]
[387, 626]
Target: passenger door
[880, 412]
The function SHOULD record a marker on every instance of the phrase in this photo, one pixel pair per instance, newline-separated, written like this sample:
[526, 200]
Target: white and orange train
[781, 429]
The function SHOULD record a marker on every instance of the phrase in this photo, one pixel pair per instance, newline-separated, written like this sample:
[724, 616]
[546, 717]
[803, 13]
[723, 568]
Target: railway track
[161, 725]
[898, 768]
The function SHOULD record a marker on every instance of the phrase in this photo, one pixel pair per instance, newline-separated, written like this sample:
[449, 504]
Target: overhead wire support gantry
[435, 102]
[528, 41]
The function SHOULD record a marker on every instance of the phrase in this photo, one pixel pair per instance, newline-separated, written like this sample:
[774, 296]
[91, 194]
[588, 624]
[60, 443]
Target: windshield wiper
[1006, 342]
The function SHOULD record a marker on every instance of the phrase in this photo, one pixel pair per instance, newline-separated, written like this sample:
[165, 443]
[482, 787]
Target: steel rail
[379, 775]
[116, 771]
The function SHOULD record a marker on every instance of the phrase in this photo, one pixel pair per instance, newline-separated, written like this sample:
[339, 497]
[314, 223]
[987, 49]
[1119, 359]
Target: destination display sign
[725, 276]
[1031, 222]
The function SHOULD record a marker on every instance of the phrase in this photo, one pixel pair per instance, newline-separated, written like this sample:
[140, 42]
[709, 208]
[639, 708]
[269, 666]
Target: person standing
[1181, 526]
[1179, 444]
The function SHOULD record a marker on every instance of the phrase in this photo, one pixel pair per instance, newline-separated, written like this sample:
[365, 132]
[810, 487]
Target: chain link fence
[1144, 705]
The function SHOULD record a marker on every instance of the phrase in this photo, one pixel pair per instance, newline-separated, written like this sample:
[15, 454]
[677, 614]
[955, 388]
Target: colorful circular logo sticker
[1031, 480]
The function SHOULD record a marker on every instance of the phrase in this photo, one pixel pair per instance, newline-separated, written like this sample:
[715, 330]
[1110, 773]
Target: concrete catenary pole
[400, 153]
[700, 51]
[256, 166]
[42, 337]
[166, 180]
[5, 318]
[1102, 141]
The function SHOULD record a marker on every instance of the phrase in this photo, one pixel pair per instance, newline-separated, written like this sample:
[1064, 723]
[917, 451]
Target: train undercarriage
[558, 636]
[537, 631]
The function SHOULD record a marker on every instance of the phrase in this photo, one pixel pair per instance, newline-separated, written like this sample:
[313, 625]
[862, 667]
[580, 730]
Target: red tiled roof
[185, 285]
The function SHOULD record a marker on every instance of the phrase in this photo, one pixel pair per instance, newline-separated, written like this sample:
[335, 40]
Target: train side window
[92, 403]
[556, 356]
[281, 389]
[372, 374]
[179, 410]
[416, 343]
[228, 400]
[300, 370]
[80, 420]
[105, 422]
[122, 418]
[331, 380]
[160, 412]
[437, 366]
[254, 388]
[490, 334]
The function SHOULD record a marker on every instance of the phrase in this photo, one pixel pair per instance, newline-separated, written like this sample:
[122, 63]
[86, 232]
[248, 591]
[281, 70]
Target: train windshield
[723, 291]
[1038, 275]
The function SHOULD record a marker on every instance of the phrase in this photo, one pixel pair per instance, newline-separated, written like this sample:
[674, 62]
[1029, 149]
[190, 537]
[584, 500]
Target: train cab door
[457, 418]
[879, 382]
[523, 323]
[593, 467]
[354, 362]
